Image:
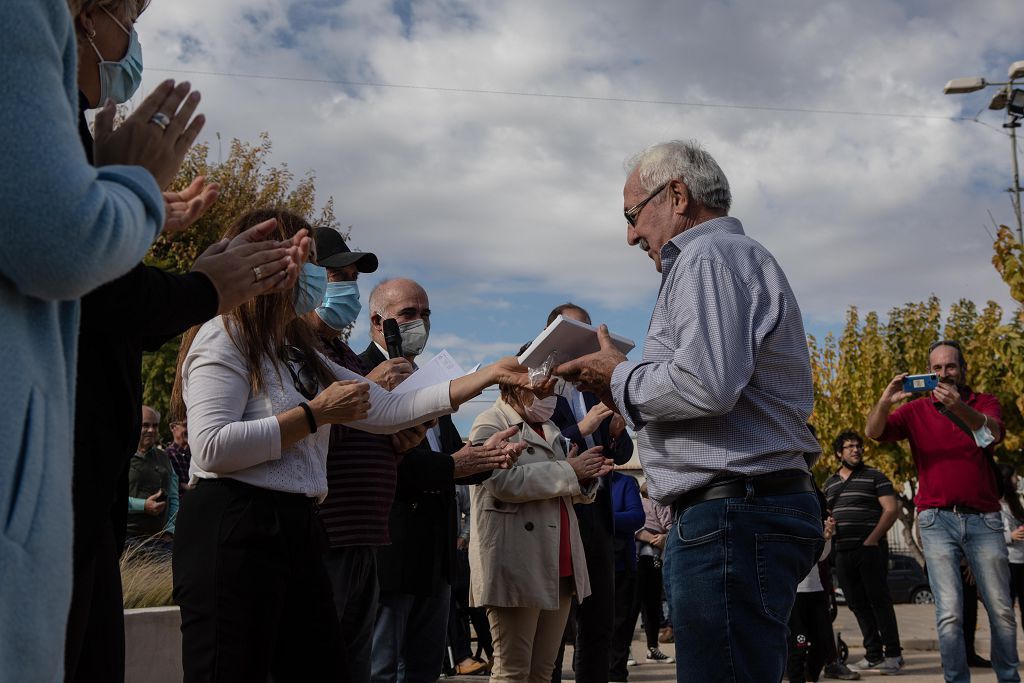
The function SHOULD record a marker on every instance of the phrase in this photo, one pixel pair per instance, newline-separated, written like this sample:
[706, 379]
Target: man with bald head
[415, 571]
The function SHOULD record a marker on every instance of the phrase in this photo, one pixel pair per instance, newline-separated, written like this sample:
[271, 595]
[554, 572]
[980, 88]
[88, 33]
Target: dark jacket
[423, 522]
[597, 519]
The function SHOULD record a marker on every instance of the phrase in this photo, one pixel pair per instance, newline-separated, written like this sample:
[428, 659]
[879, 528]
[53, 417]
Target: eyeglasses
[853, 447]
[304, 378]
[634, 213]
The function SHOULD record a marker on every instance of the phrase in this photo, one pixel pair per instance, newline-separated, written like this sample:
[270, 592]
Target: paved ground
[917, 631]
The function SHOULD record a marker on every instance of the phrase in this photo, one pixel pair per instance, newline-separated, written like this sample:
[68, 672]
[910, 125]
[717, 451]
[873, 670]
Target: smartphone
[162, 497]
[920, 383]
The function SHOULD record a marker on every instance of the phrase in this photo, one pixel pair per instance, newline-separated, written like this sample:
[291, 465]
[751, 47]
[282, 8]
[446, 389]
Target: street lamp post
[1010, 98]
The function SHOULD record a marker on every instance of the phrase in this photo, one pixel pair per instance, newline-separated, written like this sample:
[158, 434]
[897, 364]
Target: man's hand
[408, 439]
[829, 528]
[593, 419]
[461, 543]
[233, 266]
[658, 541]
[184, 208]
[617, 426]
[470, 460]
[893, 393]
[946, 394]
[390, 373]
[153, 506]
[593, 372]
[1017, 534]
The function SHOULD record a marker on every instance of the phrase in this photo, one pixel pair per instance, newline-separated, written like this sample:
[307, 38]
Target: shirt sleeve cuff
[620, 393]
[136, 504]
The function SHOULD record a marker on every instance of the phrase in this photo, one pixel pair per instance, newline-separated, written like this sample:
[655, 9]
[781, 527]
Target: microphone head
[391, 330]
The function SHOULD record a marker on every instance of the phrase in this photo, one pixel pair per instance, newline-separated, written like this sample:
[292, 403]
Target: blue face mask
[341, 305]
[119, 80]
[309, 290]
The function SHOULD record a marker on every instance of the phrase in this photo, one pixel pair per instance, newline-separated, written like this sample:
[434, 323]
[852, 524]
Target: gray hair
[684, 160]
[154, 410]
[378, 302]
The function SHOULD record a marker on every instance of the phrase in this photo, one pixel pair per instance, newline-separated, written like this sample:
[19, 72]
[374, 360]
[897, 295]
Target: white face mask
[541, 409]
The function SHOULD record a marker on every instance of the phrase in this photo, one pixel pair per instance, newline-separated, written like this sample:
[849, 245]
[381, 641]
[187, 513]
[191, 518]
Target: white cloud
[516, 195]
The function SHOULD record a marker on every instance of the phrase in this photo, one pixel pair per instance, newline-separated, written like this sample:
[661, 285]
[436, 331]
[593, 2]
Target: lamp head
[1016, 70]
[959, 86]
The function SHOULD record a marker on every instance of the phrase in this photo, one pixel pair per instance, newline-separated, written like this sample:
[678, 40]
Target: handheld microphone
[393, 338]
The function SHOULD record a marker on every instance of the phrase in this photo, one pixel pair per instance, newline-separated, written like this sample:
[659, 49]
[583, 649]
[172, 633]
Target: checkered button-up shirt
[724, 386]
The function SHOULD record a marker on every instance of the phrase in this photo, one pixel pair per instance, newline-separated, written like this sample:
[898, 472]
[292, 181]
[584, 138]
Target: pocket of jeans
[783, 561]
[994, 521]
[699, 540]
[926, 518]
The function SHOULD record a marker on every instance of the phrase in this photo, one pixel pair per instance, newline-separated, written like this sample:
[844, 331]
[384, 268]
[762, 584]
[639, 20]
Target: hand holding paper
[593, 372]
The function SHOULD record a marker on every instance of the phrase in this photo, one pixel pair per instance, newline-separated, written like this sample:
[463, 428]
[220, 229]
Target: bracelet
[309, 417]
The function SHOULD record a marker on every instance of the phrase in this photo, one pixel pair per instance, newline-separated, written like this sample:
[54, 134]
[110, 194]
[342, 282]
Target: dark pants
[1017, 587]
[409, 636]
[863, 576]
[462, 614]
[970, 589]
[595, 616]
[731, 570]
[810, 636]
[249, 577]
[353, 575]
[625, 624]
[649, 590]
[95, 635]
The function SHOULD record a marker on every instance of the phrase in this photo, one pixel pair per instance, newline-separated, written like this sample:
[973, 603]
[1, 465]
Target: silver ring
[258, 272]
[161, 119]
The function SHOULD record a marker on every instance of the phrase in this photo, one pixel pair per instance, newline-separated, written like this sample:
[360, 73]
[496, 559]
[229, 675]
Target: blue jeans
[947, 538]
[409, 636]
[731, 568]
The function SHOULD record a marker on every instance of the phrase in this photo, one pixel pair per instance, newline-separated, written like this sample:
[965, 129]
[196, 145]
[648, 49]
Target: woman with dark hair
[1013, 524]
[259, 399]
[527, 557]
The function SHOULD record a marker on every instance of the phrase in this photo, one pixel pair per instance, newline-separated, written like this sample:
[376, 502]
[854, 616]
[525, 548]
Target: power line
[561, 96]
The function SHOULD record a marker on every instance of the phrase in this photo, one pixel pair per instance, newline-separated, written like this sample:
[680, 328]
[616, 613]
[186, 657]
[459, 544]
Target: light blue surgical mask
[341, 305]
[119, 80]
[309, 290]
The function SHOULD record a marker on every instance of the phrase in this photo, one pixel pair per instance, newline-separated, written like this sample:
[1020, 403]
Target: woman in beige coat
[527, 557]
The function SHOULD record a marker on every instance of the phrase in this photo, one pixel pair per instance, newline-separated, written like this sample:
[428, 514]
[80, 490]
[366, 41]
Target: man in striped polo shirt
[863, 504]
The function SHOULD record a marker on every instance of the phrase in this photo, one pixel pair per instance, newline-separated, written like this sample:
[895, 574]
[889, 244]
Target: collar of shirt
[674, 246]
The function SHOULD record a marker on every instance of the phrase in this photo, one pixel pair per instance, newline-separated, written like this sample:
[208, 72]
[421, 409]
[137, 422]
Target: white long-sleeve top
[234, 433]
[1014, 549]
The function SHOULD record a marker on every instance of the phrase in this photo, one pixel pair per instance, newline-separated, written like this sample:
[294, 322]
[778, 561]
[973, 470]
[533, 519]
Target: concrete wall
[152, 645]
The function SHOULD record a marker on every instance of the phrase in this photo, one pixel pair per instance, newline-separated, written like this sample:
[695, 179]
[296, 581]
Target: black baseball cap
[332, 252]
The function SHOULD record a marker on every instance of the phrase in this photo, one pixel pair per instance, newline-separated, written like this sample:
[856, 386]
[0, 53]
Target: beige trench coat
[513, 555]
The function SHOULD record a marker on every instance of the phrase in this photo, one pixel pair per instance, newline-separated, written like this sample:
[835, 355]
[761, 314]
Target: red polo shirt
[951, 469]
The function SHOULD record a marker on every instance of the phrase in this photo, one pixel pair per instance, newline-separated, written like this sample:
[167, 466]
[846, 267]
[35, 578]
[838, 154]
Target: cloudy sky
[478, 146]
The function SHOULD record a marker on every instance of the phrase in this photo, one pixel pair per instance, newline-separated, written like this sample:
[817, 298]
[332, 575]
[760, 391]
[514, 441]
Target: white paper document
[571, 339]
[440, 368]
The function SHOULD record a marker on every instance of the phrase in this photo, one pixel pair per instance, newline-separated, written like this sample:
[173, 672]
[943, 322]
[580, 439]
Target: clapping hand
[184, 208]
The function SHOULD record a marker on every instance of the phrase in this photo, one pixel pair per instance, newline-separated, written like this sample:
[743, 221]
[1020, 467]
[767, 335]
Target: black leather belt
[960, 509]
[773, 484]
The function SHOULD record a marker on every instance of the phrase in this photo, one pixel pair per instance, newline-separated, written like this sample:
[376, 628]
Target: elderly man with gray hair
[720, 403]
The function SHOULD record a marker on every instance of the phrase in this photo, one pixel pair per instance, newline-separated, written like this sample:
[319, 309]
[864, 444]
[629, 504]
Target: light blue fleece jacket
[65, 228]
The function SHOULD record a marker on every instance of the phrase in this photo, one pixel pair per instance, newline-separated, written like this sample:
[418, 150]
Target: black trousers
[810, 636]
[863, 576]
[94, 648]
[1017, 587]
[970, 592]
[462, 615]
[625, 624]
[650, 588]
[595, 616]
[249, 577]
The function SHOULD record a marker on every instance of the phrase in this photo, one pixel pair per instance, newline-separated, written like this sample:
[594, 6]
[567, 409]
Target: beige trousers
[526, 639]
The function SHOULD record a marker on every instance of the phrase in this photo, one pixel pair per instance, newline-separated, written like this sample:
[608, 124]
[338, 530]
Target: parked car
[908, 582]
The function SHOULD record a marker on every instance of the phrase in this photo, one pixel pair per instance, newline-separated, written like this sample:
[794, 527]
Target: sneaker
[866, 664]
[840, 671]
[890, 665]
[630, 661]
[659, 657]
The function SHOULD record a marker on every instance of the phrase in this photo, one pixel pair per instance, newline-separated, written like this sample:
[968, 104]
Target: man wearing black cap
[361, 467]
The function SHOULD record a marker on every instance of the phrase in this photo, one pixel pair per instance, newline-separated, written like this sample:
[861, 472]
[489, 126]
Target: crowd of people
[316, 514]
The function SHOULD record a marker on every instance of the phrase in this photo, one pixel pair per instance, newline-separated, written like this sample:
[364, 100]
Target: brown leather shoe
[665, 635]
[470, 666]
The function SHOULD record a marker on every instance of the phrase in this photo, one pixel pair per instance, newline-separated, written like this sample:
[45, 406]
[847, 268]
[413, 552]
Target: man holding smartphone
[152, 488]
[952, 433]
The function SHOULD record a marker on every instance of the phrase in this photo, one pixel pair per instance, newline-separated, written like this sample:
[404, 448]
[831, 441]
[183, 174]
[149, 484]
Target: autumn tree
[247, 181]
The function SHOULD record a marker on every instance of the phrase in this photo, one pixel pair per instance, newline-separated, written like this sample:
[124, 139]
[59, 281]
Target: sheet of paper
[440, 368]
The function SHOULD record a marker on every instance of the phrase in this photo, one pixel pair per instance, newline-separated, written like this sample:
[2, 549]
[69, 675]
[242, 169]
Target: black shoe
[976, 662]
